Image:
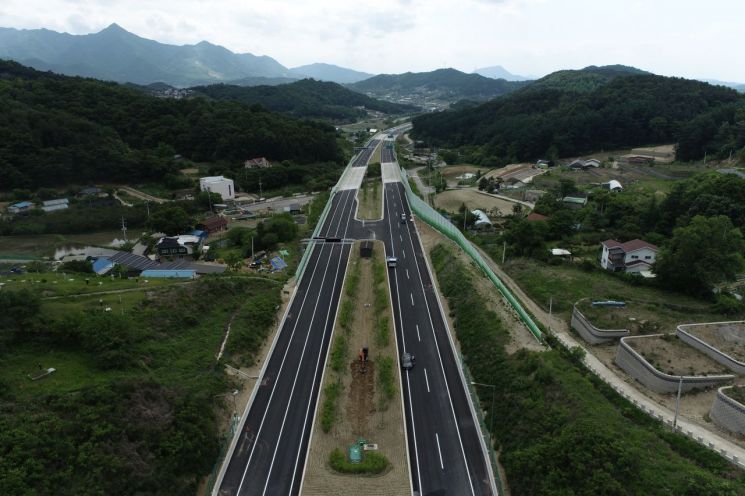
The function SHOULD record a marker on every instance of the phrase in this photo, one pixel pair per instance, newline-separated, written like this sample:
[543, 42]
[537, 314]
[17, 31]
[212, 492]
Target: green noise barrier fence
[443, 225]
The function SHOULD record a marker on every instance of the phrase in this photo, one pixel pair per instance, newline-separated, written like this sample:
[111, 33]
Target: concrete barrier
[727, 413]
[592, 334]
[684, 333]
[643, 371]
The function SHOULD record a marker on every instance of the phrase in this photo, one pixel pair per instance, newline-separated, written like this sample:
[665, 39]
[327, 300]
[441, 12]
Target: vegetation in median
[559, 429]
[372, 463]
[328, 408]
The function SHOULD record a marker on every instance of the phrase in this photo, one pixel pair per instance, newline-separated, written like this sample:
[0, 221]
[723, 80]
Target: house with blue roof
[20, 207]
[102, 265]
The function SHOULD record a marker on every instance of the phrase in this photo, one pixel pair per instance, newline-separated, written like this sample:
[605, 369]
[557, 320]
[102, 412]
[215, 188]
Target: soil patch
[452, 171]
[370, 199]
[728, 338]
[361, 403]
[672, 356]
[451, 200]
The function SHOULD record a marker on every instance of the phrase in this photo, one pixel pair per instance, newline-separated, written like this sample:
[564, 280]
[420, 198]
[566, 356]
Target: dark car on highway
[407, 361]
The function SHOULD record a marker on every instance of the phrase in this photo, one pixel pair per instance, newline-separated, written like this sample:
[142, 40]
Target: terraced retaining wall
[643, 371]
[727, 413]
[592, 334]
[717, 355]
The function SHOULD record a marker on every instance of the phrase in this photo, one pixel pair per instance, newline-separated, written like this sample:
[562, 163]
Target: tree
[707, 251]
[526, 238]
[171, 219]
[561, 224]
[109, 336]
[207, 199]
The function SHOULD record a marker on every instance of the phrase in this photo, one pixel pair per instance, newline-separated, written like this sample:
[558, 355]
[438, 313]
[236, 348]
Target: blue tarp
[278, 263]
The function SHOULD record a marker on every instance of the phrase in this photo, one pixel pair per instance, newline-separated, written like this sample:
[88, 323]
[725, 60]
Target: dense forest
[626, 111]
[57, 130]
[307, 98]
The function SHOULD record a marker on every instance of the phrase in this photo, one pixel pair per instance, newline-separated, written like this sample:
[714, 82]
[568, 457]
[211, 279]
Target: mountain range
[114, 54]
[499, 72]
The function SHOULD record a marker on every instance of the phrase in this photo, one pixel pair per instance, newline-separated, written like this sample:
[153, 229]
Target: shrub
[372, 463]
[328, 410]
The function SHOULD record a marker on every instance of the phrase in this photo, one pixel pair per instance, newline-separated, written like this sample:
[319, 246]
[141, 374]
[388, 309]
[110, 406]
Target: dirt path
[141, 195]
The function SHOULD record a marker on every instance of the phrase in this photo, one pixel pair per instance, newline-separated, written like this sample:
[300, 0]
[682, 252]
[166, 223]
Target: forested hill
[624, 112]
[585, 80]
[58, 130]
[307, 98]
[443, 83]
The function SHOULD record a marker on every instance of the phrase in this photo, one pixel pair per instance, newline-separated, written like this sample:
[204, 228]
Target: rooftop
[629, 246]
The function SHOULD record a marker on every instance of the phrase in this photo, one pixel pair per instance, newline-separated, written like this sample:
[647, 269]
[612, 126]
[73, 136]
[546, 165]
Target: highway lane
[269, 456]
[446, 451]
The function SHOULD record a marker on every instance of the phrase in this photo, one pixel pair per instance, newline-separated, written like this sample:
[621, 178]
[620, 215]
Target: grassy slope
[561, 430]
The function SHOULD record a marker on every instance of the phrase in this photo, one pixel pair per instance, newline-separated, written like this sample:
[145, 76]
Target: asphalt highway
[268, 455]
[446, 455]
[445, 447]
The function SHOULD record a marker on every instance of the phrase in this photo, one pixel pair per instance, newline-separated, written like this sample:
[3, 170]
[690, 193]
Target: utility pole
[124, 230]
[550, 311]
[504, 250]
[260, 193]
[677, 403]
[147, 206]
[252, 247]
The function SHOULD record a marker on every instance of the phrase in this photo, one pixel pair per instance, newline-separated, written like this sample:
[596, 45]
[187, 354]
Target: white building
[218, 184]
[52, 205]
[635, 256]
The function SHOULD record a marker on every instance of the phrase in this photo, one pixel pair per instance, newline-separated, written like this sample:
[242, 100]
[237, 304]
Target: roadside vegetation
[131, 407]
[558, 428]
[372, 463]
[370, 195]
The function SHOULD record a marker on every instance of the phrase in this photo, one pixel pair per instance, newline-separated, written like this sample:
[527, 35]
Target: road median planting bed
[359, 399]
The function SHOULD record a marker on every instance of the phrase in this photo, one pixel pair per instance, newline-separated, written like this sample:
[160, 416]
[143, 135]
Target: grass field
[652, 309]
[47, 284]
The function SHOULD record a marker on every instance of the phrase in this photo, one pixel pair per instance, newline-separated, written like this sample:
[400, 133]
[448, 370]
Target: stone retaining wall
[641, 370]
[592, 334]
[704, 347]
[727, 413]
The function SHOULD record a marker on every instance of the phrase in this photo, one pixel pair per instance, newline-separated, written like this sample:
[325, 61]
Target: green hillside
[307, 98]
[622, 112]
[60, 130]
[443, 83]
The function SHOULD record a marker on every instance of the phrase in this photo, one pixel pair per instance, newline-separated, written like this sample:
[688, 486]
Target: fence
[443, 225]
[480, 415]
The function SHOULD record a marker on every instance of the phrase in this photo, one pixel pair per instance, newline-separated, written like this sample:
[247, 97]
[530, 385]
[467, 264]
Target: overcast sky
[686, 38]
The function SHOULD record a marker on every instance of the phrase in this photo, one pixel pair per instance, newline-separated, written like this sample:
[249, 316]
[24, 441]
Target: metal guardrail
[443, 225]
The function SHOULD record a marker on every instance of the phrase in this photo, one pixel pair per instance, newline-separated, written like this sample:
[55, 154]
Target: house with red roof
[257, 163]
[635, 256]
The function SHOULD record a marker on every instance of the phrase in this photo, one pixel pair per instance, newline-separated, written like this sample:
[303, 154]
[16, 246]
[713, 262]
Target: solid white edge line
[484, 447]
[262, 372]
[271, 396]
[439, 356]
[323, 370]
[400, 374]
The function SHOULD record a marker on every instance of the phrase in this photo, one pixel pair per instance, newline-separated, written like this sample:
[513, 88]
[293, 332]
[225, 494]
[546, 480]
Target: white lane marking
[400, 238]
[297, 372]
[408, 384]
[412, 298]
[403, 251]
[281, 366]
[318, 362]
[426, 379]
[437, 438]
[417, 332]
[407, 273]
[439, 356]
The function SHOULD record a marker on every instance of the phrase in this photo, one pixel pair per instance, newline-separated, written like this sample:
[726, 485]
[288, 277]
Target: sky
[687, 38]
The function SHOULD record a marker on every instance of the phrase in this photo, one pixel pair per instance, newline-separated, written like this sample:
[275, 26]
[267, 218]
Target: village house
[20, 207]
[213, 224]
[257, 163]
[218, 184]
[635, 256]
[178, 246]
[52, 205]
